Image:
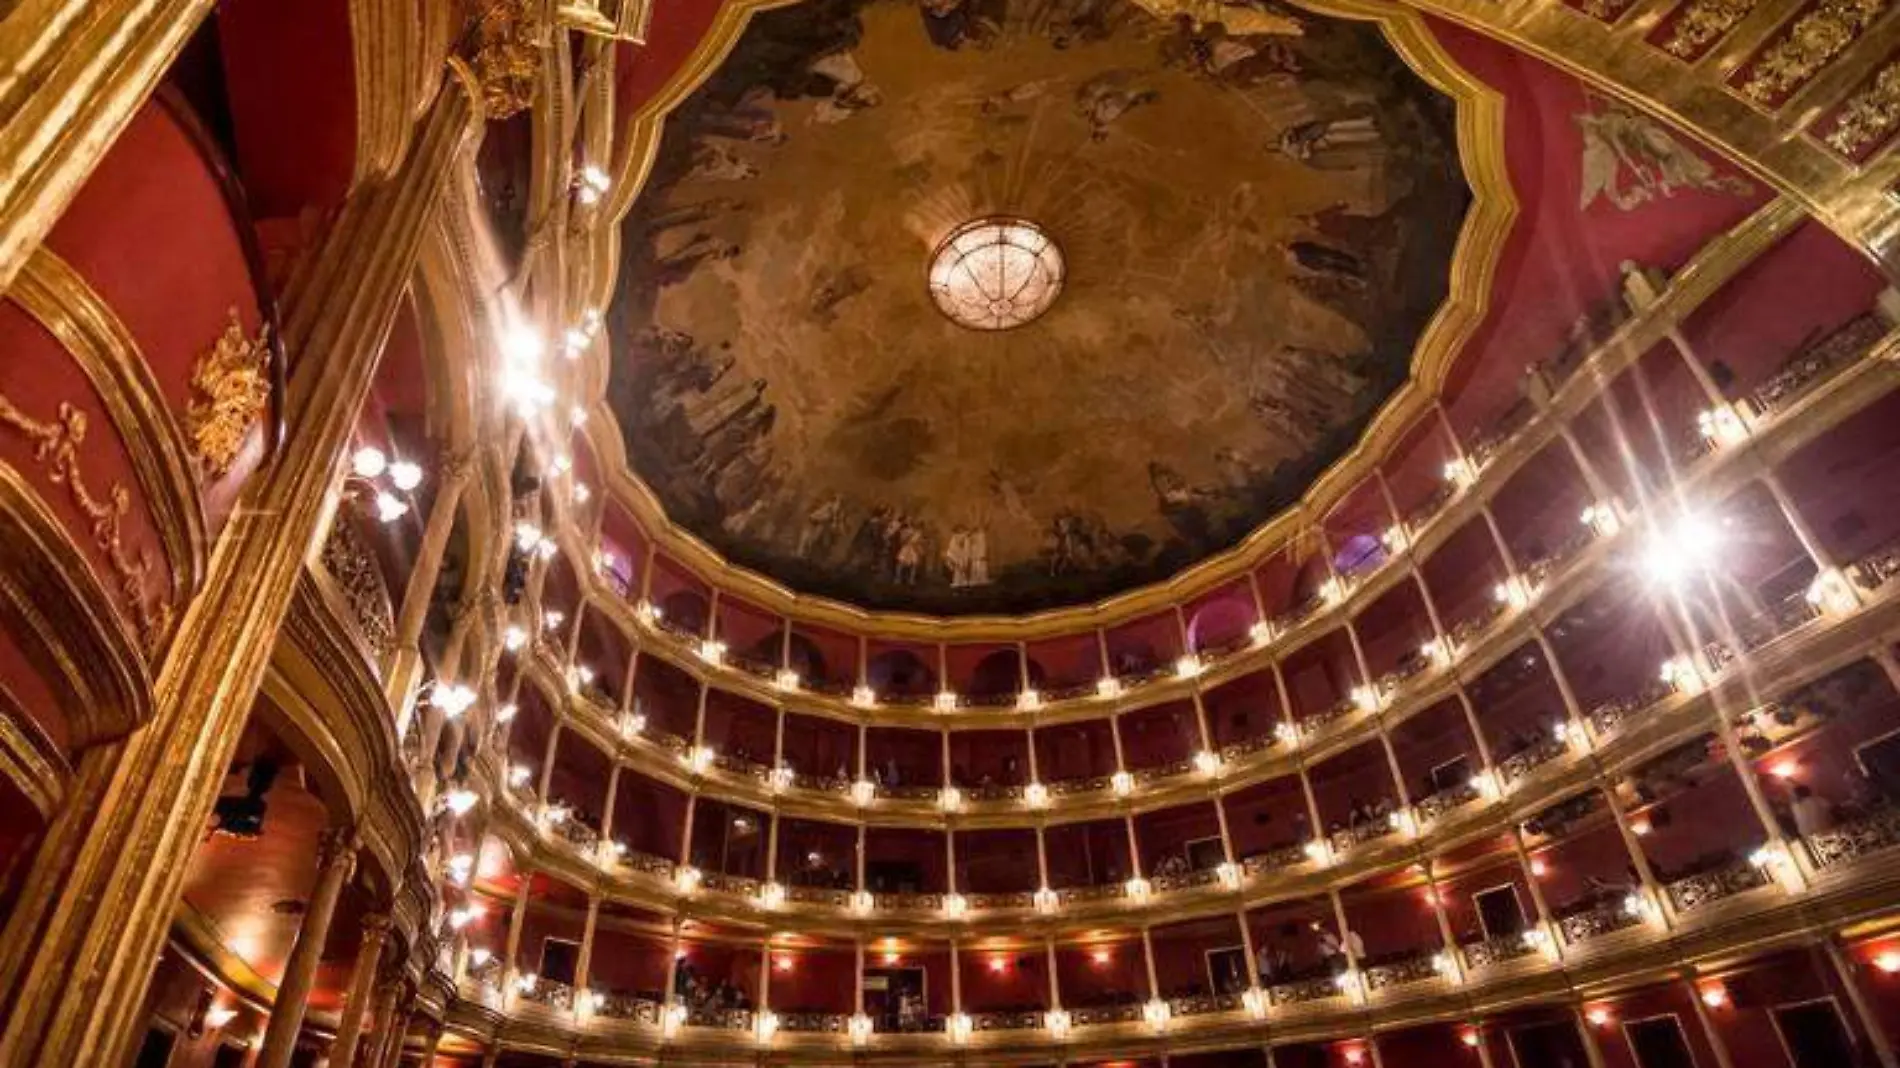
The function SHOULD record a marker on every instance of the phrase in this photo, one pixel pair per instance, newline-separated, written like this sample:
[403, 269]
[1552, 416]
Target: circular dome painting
[1219, 241]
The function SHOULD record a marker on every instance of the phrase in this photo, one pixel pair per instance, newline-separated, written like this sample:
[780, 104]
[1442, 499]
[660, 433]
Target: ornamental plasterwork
[359, 579]
[1869, 116]
[1810, 44]
[1604, 10]
[230, 387]
[509, 36]
[1702, 23]
[56, 447]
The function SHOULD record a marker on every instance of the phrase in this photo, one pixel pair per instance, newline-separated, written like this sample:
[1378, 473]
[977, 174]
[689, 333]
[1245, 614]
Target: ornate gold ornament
[231, 384]
[359, 579]
[1810, 44]
[509, 38]
[1702, 23]
[1869, 116]
[56, 447]
[1604, 10]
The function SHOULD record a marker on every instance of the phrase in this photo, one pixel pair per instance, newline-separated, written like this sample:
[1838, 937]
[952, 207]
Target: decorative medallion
[1805, 47]
[1869, 117]
[56, 447]
[509, 36]
[231, 388]
[1701, 23]
[995, 273]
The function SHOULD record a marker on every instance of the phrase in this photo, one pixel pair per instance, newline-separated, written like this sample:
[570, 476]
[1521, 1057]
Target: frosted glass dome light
[996, 273]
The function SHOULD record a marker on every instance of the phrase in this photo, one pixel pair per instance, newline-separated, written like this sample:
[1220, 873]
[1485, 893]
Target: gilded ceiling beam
[1761, 81]
[76, 72]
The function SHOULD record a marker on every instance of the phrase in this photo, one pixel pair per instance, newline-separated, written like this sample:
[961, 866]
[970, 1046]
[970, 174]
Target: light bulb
[389, 507]
[405, 475]
[369, 462]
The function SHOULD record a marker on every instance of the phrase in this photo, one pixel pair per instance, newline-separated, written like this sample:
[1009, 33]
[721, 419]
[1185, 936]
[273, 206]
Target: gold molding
[66, 623]
[387, 38]
[29, 758]
[1487, 226]
[56, 448]
[67, 307]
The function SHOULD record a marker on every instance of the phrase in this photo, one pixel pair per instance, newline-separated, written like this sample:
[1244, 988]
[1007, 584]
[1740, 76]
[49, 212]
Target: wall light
[1260, 633]
[771, 896]
[950, 799]
[1157, 1013]
[1047, 900]
[1188, 666]
[1058, 1022]
[1036, 795]
[1690, 545]
[458, 802]
[860, 1028]
[958, 1026]
[955, 906]
[1122, 783]
[1598, 1016]
[217, 1017]
[863, 792]
[946, 701]
[864, 697]
[1207, 763]
[787, 680]
[1029, 701]
[767, 1024]
[1888, 961]
[1138, 889]
[1715, 995]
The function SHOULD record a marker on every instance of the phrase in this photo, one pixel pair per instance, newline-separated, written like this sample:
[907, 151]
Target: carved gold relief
[56, 447]
[1810, 44]
[1703, 22]
[509, 36]
[231, 387]
[1604, 10]
[1869, 116]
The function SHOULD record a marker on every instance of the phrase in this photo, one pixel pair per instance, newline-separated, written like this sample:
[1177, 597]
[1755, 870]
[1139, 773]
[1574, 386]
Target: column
[387, 994]
[1587, 1035]
[79, 70]
[1849, 974]
[1709, 1030]
[583, 965]
[336, 860]
[405, 656]
[369, 955]
[398, 1033]
[112, 864]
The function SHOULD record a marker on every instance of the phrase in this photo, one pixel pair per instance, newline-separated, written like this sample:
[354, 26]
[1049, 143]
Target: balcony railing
[1413, 969]
[1185, 880]
[721, 883]
[618, 1006]
[1436, 806]
[1494, 951]
[554, 995]
[1816, 364]
[646, 864]
[1524, 761]
[357, 576]
[1079, 895]
[720, 1019]
[1246, 747]
[909, 902]
[1874, 569]
[1172, 770]
[1597, 920]
[818, 895]
[1275, 859]
[1072, 787]
[1608, 717]
[908, 792]
[1705, 888]
[1099, 1015]
[813, 1023]
[1011, 1020]
[1855, 839]
[1203, 1004]
[1303, 991]
[1022, 899]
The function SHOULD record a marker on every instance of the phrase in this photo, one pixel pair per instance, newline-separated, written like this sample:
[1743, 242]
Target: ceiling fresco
[1255, 220]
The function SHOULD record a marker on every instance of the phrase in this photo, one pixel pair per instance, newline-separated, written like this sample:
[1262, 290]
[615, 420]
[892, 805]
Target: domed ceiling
[1251, 224]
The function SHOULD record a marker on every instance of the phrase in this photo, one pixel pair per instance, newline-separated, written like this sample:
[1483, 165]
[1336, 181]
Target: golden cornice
[1695, 283]
[50, 291]
[1749, 925]
[386, 38]
[200, 941]
[65, 621]
[1487, 225]
[1777, 668]
[340, 724]
[29, 759]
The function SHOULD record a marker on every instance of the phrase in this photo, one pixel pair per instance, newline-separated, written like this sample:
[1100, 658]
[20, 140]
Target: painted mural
[1257, 219]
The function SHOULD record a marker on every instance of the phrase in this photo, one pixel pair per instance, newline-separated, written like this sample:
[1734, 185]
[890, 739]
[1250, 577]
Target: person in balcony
[1273, 963]
[1812, 813]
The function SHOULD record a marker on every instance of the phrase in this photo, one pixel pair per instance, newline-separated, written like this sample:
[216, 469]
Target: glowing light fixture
[405, 475]
[1108, 687]
[1029, 701]
[389, 507]
[459, 802]
[1122, 783]
[946, 701]
[1058, 1022]
[1188, 666]
[369, 462]
[1207, 763]
[995, 273]
[1689, 546]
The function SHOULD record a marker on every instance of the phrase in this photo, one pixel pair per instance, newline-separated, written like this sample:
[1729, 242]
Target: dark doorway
[156, 1050]
[1550, 1045]
[894, 999]
[1452, 774]
[1499, 911]
[229, 1056]
[1815, 1035]
[1658, 1042]
[559, 959]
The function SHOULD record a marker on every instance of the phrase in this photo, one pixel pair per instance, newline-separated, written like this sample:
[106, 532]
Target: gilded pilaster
[77, 959]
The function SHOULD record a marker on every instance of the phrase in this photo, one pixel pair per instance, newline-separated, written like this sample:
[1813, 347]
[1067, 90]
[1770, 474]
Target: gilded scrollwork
[56, 447]
[359, 579]
[1869, 117]
[230, 387]
[509, 36]
[1605, 10]
[1702, 23]
[1807, 46]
